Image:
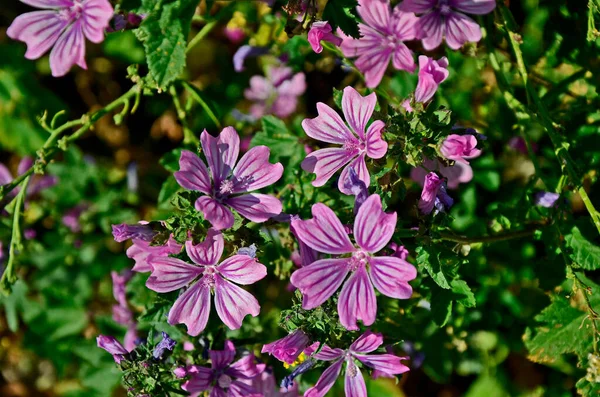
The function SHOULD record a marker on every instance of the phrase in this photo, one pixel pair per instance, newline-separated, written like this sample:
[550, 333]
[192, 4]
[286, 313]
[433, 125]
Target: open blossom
[445, 19]
[112, 346]
[288, 349]
[193, 306]
[354, 382]
[434, 194]
[318, 281]
[277, 93]
[64, 25]
[431, 74]
[231, 183]
[356, 139]
[460, 148]
[224, 377]
[321, 30]
[456, 174]
[383, 34]
[141, 250]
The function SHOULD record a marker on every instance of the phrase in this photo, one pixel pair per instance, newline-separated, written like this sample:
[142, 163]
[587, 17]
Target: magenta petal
[200, 381]
[367, 342]
[255, 206]
[242, 269]
[260, 89]
[404, 24]
[360, 167]
[221, 152]
[246, 368]
[391, 275]
[324, 232]
[354, 383]
[193, 174]
[217, 392]
[219, 216]
[357, 300]
[402, 58]
[430, 29]
[170, 274]
[326, 162]
[240, 389]
[358, 109]
[192, 308]
[254, 171]
[319, 280]
[373, 64]
[141, 250]
[48, 4]
[233, 303]
[220, 359]
[461, 29]
[357, 47]
[5, 175]
[207, 252]
[326, 381]
[38, 29]
[376, 147]
[388, 363]
[477, 7]
[68, 50]
[97, 15]
[329, 354]
[293, 87]
[373, 228]
[328, 126]
[375, 13]
[418, 6]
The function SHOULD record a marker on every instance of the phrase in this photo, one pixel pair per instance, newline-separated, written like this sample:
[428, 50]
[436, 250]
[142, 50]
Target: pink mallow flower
[431, 74]
[224, 377]
[321, 30]
[441, 19]
[287, 349]
[354, 383]
[64, 25]
[460, 148]
[318, 281]
[356, 139]
[192, 308]
[277, 93]
[434, 195]
[141, 250]
[456, 174]
[231, 183]
[383, 34]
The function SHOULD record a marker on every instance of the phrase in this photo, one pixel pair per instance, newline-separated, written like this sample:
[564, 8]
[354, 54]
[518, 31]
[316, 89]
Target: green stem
[488, 239]
[200, 35]
[196, 96]
[188, 135]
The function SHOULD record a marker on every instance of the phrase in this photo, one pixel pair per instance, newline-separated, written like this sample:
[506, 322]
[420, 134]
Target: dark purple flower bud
[399, 251]
[288, 381]
[356, 187]
[546, 199]
[112, 346]
[246, 51]
[248, 251]
[134, 20]
[125, 232]
[165, 344]
[443, 201]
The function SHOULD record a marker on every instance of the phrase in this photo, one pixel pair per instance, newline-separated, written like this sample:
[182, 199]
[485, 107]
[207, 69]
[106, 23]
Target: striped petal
[69, 50]
[219, 216]
[354, 383]
[360, 167]
[324, 232]
[387, 363]
[39, 30]
[207, 252]
[328, 126]
[192, 308]
[319, 280]
[242, 269]
[221, 152]
[255, 206]
[254, 171]
[326, 162]
[233, 303]
[357, 301]
[326, 381]
[170, 274]
[373, 228]
[96, 15]
[358, 109]
[391, 275]
[193, 174]
[367, 342]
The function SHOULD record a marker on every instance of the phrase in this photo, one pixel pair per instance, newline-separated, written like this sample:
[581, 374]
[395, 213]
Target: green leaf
[170, 160]
[442, 301]
[168, 190]
[488, 386]
[164, 34]
[585, 253]
[433, 267]
[342, 14]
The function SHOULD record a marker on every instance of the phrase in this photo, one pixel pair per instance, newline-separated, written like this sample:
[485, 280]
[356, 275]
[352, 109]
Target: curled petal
[207, 252]
[219, 216]
[170, 274]
[358, 109]
[221, 152]
[326, 162]
[326, 381]
[68, 50]
[367, 342]
[328, 126]
[192, 308]
[254, 171]
[357, 301]
[319, 280]
[388, 363]
[373, 228]
[477, 7]
[391, 275]
[324, 232]
[242, 269]
[233, 303]
[255, 206]
[193, 174]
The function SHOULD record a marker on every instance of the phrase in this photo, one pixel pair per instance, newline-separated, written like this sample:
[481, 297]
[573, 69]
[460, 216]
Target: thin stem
[188, 136]
[196, 96]
[488, 239]
[200, 35]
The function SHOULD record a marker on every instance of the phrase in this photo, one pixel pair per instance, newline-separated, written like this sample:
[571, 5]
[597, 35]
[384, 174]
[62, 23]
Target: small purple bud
[288, 381]
[546, 199]
[125, 232]
[165, 344]
[248, 251]
[357, 187]
[29, 234]
[112, 346]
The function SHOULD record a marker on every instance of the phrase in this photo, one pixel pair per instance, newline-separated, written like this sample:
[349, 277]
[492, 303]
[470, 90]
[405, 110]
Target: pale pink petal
[192, 308]
[38, 29]
[367, 342]
[141, 250]
[328, 126]
[293, 87]
[477, 7]
[207, 252]
[430, 29]
[324, 232]
[68, 50]
[376, 147]
[360, 166]
[354, 383]
[358, 109]
[233, 303]
[357, 300]
[319, 280]
[417, 6]
[326, 162]
[221, 152]
[219, 216]
[404, 24]
[260, 89]
[373, 228]
[461, 29]
[388, 363]
[170, 274]
[193, 174]
[391, 275]
[373, 65]
[5, 175]
[375, 13]
[402, 58]
[326, 381]
[456, 174]
[49, 4]
[328, 354]
[255, 206]
[254, 171]
[96, 15]
[242, 269]
[284, 105]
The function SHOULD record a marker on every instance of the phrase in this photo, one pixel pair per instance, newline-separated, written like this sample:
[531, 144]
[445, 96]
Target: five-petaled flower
[354, 383]
[231, 183]
[64, 24]
[207, 276]
[431, 74]
[357, 142]
[383, 34]
[373, 229]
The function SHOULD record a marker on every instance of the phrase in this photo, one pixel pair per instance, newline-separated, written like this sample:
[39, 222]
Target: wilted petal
[320, 280]
[193, 174]
[354, 383]
[221, 152]
[373, 228]
[38, 29]
[360, 167]
[170, 274]
[112, 346]
[233, 303]
[207, 252]
[477, 7]
[219, 216]
[367, 342]
[192, 308]
[242, 269]
[324, 232]
[68, 50]
[326, 381]
[326, 162]
[255, 206]
[254, 171]
[390, 275]
[358, 109]
[328, 126]
[328, 354]
[387, 363]
[461, 29]
[321, 30]
[357, 300]
[376, 147]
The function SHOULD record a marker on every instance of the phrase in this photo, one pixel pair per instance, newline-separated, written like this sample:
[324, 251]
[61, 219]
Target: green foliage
[342, 14]
[584, 253]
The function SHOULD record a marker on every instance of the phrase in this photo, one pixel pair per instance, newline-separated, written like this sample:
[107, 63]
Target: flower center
[359, 259]
[226, 187]
[224, 381]
[444, 7]
[209, 276]
[72, 13]
[354, 146]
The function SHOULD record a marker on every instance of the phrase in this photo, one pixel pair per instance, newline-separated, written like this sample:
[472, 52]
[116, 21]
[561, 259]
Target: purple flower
[357, 188]
[321, 30]
[124, 232]
[434, 195]
[165, 344]
[354, 384]
[121, 312]
[460, 148]
[288, 348]
[64, 25]
[318, 281]
[224, 378]
[112, 346]
[193, 306]
[246, 51]
[399, 251]
[71, 218]
[382, 39]
[141, 250]
[441, 19]
[307, 254]
[431, 74]
[456, 174]
[277, 93]
[231, 184]
[357, 142]
[546, 199]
